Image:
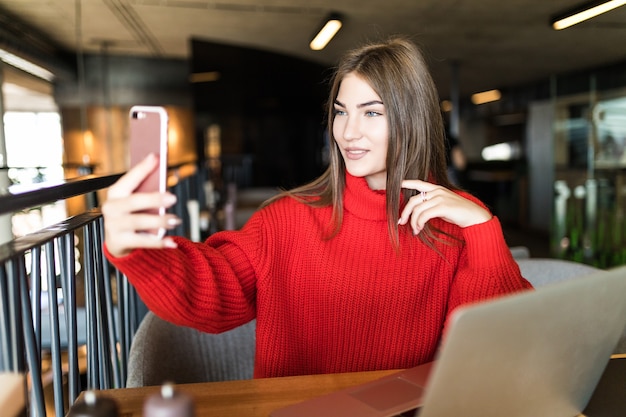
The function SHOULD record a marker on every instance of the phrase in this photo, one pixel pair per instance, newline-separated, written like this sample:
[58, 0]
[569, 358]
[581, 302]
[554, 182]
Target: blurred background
[539, 113]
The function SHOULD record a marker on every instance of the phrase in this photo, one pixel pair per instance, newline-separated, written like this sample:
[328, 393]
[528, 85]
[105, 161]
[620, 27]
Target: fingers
[409, 211]
[131, 180]
[142, 202]
[144, 223]
[426, 192]
[139, 240]
[126, 225]
[117, 208]
[419, 209]
[123, 237]
[128, 215]
[435, 201]
[419, 185]
[419, 216]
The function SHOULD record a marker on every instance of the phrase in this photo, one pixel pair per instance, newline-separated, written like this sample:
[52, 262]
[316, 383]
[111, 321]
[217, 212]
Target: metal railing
[48, 333]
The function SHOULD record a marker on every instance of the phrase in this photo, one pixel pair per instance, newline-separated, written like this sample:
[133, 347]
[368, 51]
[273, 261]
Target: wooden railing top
[47, 193]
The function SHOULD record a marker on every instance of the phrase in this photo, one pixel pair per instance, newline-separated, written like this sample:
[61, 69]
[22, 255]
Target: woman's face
[361, 131]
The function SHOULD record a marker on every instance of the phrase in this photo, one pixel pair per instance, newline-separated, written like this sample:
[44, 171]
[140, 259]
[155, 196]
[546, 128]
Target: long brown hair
[397, 72]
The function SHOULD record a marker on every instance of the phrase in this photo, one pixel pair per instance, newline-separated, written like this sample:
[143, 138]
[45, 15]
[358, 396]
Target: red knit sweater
[350, 303]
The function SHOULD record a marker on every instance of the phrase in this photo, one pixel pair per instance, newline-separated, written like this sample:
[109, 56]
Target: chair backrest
[545, 271]
[164, 352]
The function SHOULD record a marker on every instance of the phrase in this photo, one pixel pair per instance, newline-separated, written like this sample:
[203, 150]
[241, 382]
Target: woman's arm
[192, 284]
[208, 287]
[486, 267]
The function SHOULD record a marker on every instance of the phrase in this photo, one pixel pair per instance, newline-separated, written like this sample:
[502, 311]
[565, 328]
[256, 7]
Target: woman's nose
[352, 129]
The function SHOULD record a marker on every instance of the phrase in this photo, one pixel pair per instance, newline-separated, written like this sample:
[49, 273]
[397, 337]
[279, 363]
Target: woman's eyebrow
[368, 103]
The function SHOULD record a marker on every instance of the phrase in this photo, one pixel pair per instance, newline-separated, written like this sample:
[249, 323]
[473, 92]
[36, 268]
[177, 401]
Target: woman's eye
[372, 113]
[339, 112]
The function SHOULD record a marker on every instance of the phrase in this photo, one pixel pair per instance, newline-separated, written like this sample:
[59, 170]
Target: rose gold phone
[148, 134]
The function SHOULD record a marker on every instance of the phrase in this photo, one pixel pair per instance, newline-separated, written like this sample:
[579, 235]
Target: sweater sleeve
[486, 268]
[210, 286]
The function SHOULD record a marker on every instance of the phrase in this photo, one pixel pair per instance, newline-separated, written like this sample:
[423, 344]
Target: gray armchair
[543, 271]
[164, 352]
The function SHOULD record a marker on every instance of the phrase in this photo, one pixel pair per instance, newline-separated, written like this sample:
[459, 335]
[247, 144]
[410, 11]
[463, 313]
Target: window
[34, 151]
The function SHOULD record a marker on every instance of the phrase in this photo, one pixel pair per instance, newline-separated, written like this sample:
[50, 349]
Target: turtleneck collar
[360, 200]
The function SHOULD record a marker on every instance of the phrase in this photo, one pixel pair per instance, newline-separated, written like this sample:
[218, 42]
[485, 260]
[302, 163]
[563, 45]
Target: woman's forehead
[356, 90]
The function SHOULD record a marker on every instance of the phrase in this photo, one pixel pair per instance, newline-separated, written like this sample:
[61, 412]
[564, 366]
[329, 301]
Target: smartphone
[148, 134]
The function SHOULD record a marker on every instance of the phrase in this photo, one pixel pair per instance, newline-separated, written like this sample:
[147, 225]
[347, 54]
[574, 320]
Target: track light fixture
[329, 29]
[584, 12]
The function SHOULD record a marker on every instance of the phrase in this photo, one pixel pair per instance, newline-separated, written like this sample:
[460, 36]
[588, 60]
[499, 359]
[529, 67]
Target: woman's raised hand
[437, 201]
[124, 219]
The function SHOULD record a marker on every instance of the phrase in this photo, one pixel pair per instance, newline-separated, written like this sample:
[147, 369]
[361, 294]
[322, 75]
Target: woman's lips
[355, 154]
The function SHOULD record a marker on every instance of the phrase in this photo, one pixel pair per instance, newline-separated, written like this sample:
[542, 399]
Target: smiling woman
[352, 271]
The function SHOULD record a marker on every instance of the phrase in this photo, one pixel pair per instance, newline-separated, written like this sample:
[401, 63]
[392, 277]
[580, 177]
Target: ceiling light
[26, 66]
[584, 12]
[329, 29]
[486, 97]
[504, 151]
[204, 77]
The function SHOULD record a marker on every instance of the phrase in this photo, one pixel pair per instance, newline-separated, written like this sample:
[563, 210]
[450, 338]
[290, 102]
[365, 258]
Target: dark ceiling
[495, 43]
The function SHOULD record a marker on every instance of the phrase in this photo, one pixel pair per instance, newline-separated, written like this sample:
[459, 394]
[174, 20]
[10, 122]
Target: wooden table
[259, 397]
[245, 398]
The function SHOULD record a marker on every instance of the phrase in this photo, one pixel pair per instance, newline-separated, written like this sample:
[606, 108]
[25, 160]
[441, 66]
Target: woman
[355, 271]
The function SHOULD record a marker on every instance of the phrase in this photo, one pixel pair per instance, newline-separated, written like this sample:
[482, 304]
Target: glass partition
[590, 166]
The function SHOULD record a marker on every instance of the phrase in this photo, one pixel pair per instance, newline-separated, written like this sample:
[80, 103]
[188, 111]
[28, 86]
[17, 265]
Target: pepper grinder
[169, 403]
[94, 406]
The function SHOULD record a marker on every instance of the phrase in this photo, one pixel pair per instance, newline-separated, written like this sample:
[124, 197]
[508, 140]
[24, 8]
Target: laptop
[536, 353]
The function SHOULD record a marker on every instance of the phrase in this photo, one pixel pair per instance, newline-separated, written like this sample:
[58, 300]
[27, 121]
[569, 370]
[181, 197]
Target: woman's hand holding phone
[127, 214]
[135, 212]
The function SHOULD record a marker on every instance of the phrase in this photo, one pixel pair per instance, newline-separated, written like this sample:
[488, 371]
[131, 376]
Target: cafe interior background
[245, 95]
[540, 113]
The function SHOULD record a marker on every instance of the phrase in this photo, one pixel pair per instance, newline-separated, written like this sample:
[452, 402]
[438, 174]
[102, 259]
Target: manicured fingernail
[174, 221]
[169, 199]
[169, 243]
